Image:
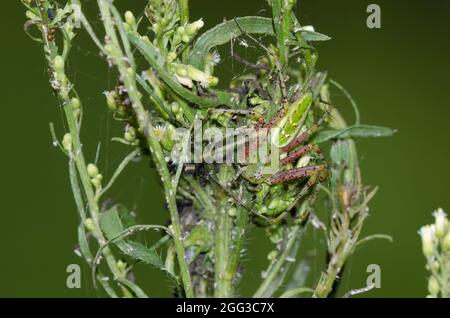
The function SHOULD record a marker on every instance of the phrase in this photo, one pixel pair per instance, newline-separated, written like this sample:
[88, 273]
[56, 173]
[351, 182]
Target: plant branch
[129, 78]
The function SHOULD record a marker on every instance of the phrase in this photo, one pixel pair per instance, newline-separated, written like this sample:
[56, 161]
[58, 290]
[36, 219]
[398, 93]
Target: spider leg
[237, 199]
[296, 173]
[315, 179]
[300, 152]
[305, 135]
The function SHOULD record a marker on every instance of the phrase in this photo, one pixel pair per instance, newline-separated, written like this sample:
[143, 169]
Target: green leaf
[374, 237]
[152, 57]
[84, 244]
[111, 225]
[312, 36]
[354, 131]
[225, 32]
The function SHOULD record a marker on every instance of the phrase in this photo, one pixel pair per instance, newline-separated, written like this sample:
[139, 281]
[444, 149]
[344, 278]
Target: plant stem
[77, 156]
[223, 228]
[281, 19]
[80, 163]
[239, 230]
[267, 288]
[325, 285]
[223, 281]
[129, 79]
[184, 20]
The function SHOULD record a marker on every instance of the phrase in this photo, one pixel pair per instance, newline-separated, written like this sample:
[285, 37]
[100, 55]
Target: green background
[397, 74]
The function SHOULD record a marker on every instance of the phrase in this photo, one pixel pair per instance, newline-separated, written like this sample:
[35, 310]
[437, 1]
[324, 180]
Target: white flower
[441, 222]
[427, 233]
[215, 58]
[159, 131]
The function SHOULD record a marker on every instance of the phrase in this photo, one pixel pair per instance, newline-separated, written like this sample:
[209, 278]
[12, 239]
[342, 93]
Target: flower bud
[99, 178]
[67, 142]
[446, 243]
[68, 29]
[58, 64]
[171, 57]
[130, 19]
[30, 15]
[186, 38]
[435, 265]
[164, 22]
[192, 29]
[97, 181]
[441, 223]
[213, 81]
[272, 255]
[427, 234]
[75, 102]
[232, 212]
[165, 135]
[128, 137]
[111, 100]
[89, 224]
[433, 286]
[121, 265]
[199, 76]
[146, 39]
[180, 70]
[130, 134]
[92, 170]
[156, 28]
[181, 30]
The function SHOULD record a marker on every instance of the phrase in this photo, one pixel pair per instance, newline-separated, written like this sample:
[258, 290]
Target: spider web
[237, 58]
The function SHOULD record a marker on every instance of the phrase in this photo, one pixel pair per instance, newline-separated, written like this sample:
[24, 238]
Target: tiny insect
[51, 34]
[51, 14]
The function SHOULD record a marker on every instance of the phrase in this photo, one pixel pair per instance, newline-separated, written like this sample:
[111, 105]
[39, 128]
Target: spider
[301, 164]
[297, 172]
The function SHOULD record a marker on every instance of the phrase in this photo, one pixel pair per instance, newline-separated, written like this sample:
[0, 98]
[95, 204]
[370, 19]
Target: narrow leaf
[374, 237]
[354, 131]
[313, 36]
[225, 32]
[112, 226]
[151, 55]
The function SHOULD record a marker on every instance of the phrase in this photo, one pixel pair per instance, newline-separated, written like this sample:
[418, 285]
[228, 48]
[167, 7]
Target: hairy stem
[238, 239]
[129, 79]
[184, 20]
[268, 286]
[223, 281]
[223, 228]
[76, 153]
[281, 19]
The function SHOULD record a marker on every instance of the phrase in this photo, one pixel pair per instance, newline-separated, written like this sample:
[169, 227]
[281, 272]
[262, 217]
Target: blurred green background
[397, 74]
